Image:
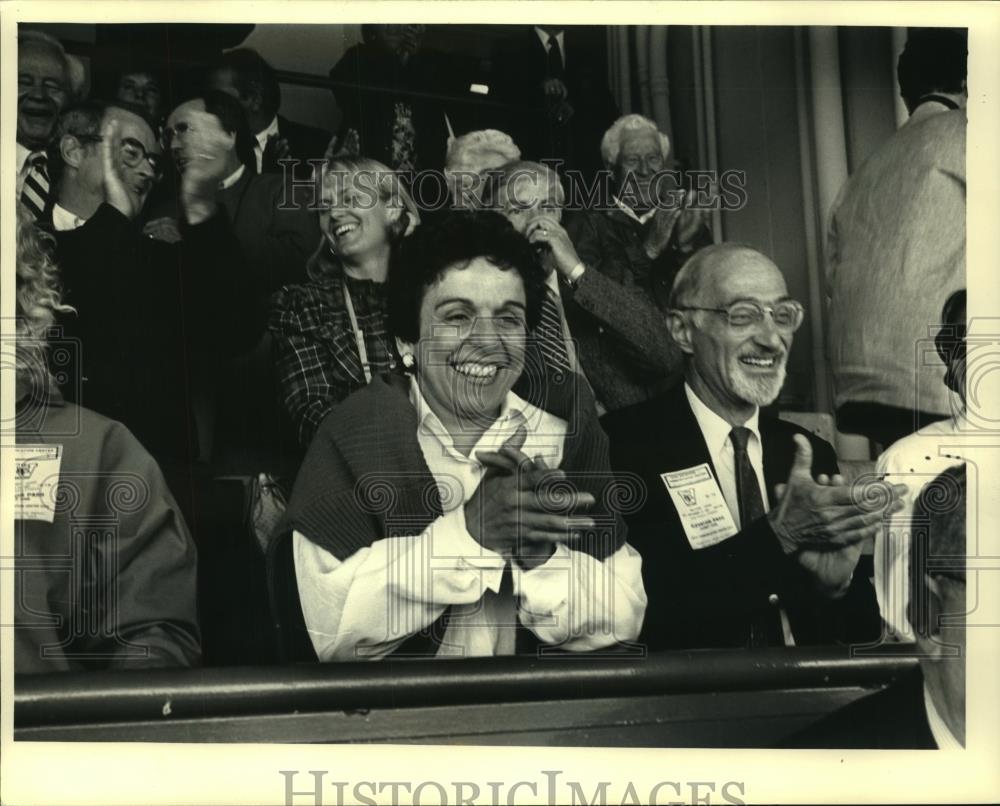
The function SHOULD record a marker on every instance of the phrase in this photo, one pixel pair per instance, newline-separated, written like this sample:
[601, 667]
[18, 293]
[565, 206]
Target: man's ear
[71, 151]
[680, 329]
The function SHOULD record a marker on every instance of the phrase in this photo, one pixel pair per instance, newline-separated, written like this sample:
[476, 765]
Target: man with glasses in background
[147, 311]
[749, 536]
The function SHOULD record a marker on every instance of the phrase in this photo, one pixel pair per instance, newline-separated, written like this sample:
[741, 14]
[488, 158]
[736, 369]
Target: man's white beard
[760, 390]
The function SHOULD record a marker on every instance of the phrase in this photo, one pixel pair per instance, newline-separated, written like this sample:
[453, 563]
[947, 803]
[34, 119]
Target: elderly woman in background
[426, 518]
[119, 593]
[470, 156]
[617, 335]
[330, 333]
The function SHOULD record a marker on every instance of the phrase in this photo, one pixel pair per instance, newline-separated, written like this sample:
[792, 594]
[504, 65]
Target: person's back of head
[933, 61]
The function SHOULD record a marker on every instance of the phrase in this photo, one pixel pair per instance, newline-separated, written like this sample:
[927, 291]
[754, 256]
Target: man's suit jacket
[276, 240]
[710, 597]
[892, 719]
[147, 314]
[520, 66]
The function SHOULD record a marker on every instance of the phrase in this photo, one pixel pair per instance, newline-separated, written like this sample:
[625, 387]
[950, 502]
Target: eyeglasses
[787, 315]
[170, 132]
[132, 153]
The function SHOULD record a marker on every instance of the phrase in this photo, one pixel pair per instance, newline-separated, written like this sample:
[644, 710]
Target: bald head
[710, 271]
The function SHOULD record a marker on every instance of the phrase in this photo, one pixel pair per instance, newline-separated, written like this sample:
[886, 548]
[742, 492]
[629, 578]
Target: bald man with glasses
[748, 534]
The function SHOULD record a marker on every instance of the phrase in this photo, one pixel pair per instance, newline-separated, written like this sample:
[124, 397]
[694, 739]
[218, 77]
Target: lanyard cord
[359, 336]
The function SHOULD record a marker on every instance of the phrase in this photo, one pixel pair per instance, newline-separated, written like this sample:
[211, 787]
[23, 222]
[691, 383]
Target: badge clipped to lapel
[36, 477]
[698, 500]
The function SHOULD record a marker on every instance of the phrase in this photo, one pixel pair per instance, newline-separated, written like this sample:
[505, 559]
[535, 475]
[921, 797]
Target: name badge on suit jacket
[698, 500]
[36, 477]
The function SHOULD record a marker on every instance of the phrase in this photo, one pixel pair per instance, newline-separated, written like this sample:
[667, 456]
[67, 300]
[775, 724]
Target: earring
[409, 361]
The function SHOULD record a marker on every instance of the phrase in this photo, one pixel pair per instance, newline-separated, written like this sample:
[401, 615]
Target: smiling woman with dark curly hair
[443, 514]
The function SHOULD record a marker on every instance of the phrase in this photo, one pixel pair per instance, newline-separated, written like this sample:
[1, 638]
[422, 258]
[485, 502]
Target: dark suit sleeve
[218, 288]
[637, 327]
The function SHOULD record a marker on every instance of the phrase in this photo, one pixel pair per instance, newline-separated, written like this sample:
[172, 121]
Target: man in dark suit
[245, 75]
[392, 92]
[740, 545]
[148, 313]
[925, 708]
[556, 92]
[276, 234]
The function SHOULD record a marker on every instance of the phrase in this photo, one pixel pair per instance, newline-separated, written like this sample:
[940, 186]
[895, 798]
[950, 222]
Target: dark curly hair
[454, 240]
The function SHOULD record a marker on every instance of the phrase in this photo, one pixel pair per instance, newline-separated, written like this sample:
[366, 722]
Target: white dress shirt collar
[513, 412]
[943, 736]
[713, 427]
[22, 156]
[560, 38]
[261, 141]
[642, 219]
[233, 178]
[716, 430]
[63, 220]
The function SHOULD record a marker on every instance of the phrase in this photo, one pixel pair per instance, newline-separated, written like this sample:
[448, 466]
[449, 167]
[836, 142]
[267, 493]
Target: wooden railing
[564, 699]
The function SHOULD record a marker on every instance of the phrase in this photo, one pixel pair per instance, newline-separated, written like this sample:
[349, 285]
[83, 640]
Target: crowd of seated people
[516, 428]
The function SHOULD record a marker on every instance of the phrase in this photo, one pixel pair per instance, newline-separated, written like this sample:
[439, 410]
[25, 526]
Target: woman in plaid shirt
[330, 333]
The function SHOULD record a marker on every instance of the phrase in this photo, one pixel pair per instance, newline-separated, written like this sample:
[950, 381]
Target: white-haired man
[741, 545]
[44, 88]
[470, 157]
[645, 234]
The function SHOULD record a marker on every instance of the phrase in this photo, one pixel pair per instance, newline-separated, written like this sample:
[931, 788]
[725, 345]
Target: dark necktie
[35, 192]
[549, 334]
[751, 504]
[555, 66]
[765, 627]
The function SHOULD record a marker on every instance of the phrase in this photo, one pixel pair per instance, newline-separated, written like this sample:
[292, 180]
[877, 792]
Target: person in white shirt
[916, 460]
[444, 514]
[924, 709]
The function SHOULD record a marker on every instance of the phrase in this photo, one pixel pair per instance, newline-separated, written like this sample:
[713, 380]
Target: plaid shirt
[315, 348]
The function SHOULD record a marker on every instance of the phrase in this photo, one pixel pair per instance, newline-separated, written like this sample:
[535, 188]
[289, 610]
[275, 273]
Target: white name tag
[702, 509]
[36, 476]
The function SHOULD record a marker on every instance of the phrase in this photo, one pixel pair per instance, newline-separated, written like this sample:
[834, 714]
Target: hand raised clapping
[508, 513]
[824, 522]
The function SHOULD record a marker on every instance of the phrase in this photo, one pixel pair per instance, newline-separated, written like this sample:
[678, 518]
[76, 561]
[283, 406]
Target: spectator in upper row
[470, 158]
[613, 334]
[896, 251]
[556, 95]
[747, 528]
[385, 89]
[245, 75]
[642, 238]
[45, 85]
[330, 333]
